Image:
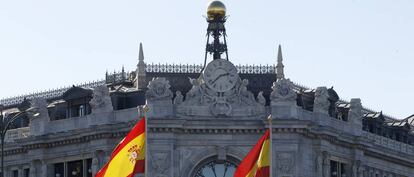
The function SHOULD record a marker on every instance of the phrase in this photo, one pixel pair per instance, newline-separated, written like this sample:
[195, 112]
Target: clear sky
[364, 48]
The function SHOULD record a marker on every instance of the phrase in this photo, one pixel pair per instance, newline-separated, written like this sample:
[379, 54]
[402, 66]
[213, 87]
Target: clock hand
[221, 75]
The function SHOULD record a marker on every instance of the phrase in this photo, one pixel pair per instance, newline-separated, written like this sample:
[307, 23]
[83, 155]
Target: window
[338, 169]
[89, 168]
[78, 168]
[213, 167]
[15, 173]
[75, 169]
[26, 172]
[59, 169]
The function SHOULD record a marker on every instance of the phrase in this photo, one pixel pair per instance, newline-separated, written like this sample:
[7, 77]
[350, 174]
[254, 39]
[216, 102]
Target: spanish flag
[128, 158]
[257, 161]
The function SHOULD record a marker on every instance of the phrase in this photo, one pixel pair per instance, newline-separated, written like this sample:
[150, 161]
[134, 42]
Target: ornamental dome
[216, 9]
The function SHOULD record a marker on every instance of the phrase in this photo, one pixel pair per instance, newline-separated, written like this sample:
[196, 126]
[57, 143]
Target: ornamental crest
[134, 153]
[160, 163]
[159, 89]
[283, 91]
[285, 162]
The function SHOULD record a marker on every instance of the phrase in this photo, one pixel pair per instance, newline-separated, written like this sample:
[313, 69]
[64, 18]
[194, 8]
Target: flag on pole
[257, 161]
[128, 158]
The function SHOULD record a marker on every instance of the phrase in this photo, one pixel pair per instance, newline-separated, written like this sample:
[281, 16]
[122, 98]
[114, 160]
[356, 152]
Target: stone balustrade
[83, 122]
[17, 133]
[389, 143]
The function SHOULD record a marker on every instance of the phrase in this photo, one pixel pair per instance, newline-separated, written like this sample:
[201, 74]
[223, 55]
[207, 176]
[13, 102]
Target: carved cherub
[178, 98]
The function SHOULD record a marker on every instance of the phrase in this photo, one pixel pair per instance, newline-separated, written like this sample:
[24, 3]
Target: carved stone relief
[160, 164]
[283, 99]
[283, 91]
[285, 162]
[159, 98]
[203, 101]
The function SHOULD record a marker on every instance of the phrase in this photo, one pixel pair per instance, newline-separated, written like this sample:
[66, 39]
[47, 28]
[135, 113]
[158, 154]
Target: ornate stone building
[202, 121]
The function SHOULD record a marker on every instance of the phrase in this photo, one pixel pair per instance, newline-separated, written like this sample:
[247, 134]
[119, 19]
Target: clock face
[220, 75]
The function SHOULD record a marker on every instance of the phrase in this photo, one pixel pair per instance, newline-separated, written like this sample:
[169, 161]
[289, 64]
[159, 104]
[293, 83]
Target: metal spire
[279, 67]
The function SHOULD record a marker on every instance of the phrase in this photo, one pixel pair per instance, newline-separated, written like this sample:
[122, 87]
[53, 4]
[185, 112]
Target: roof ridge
[48, 94]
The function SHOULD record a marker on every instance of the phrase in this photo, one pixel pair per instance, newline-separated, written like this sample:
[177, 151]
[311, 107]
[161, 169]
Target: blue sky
[364, 48]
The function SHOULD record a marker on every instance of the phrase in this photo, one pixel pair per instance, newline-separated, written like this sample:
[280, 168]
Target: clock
[220, 75]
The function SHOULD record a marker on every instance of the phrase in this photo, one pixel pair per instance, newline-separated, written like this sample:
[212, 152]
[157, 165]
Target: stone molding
[362, 144]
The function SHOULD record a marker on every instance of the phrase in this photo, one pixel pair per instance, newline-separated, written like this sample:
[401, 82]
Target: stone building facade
[202, 122]
[193, 129]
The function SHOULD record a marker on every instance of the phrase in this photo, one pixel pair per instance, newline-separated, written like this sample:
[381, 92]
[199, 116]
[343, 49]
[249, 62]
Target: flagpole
[270, 146]
[145, 110]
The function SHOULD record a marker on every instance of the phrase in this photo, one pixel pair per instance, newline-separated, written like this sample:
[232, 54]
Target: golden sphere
[216, 9]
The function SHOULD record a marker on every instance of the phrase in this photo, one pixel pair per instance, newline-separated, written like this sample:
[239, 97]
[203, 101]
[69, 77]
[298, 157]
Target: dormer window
[74, 103]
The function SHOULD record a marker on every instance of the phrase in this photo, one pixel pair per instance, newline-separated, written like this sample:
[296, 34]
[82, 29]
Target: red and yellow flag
[257, 161]
[128, 158]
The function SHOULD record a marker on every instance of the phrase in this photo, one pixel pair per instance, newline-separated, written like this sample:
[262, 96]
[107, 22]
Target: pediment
[76, 92]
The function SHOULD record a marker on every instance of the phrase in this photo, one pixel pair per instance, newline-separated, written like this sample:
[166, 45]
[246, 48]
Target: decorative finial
[145, 108]
[141, 53]
[280, 74]
[216, 9]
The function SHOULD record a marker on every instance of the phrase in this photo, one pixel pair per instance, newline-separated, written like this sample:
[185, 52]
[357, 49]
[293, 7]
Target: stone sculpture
[321, 103]
[178, 98]
[39, 106]
[261, 99]
[101, 100]
[355, 110]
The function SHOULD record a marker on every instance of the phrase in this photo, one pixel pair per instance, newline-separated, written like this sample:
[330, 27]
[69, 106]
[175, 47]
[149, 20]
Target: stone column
[43, 168]
[97, 161]
[20, 171]
[356, 165]
[326, 164]
[319, 164]
[50, 170]
[33, 168]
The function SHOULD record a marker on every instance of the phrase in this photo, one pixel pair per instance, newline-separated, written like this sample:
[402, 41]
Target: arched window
[212, 167]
